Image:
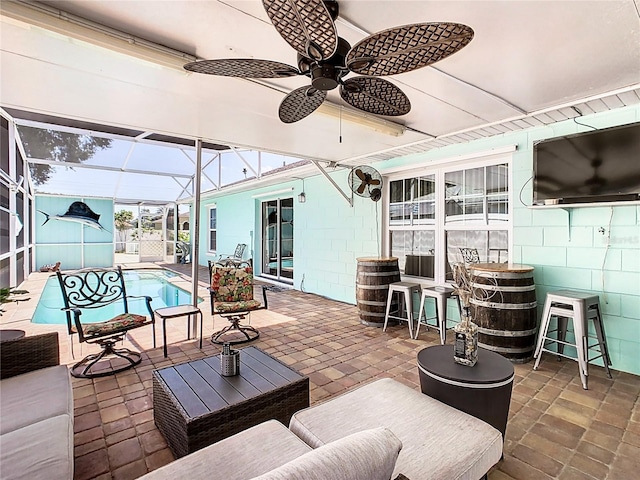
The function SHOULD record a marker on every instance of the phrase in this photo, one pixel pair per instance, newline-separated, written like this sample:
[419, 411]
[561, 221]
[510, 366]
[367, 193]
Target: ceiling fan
[308, 26]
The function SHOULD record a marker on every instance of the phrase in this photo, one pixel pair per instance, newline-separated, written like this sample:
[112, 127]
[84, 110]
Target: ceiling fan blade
[374, 181]
[306, 25]
[360, 174]
[243, 68]
[375, 95]
[361, 188]
[402, 49]
[300, 103]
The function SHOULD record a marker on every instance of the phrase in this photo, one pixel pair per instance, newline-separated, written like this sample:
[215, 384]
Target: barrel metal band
[373, 314]
[507, 333]
[504, 306]
[506, 275]
[523, 288]
[464, 384]
[369, 302]
[377, 274]
[377, 263]
[372, 287]
[506, 349]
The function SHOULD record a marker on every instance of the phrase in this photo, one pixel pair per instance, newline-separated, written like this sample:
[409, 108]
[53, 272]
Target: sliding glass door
[277, 239]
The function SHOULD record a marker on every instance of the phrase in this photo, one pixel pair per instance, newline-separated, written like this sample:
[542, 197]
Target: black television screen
[598, 166]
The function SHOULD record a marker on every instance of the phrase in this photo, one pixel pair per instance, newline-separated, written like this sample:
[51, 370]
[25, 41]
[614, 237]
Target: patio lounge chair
[94, 289]
[232, 298]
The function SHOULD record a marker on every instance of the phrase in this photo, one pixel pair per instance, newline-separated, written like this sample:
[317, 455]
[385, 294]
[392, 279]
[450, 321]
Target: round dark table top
[490, 367]
[6, 335]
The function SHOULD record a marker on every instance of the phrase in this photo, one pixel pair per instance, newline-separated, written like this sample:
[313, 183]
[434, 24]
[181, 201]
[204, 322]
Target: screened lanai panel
[238, 166]
[153, 188]
[273, 161]
[162, 159]
[104, 183]
[45, 144]
[63, 180]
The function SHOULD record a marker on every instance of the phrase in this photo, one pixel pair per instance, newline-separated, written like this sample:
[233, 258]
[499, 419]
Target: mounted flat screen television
[592, 167]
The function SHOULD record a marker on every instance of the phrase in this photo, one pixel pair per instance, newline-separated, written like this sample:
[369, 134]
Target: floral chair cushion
[230, 307]
[120, 323]
[230, 284]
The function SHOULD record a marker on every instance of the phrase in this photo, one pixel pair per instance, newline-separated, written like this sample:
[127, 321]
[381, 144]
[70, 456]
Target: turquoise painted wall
[73, 244]
[330, 235]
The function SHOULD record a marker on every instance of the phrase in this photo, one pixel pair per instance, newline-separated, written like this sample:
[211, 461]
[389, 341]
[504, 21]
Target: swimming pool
[153, 283]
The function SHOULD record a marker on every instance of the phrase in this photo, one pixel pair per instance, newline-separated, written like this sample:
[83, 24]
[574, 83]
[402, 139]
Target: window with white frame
[213, 228]
[477, 213]
[432, 216]
[412, 217]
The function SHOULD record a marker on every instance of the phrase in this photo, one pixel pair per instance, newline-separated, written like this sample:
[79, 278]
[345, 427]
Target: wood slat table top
[200, 388]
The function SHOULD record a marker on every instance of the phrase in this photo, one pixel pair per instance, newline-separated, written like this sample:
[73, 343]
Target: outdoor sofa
[378, 431]
[36, 410]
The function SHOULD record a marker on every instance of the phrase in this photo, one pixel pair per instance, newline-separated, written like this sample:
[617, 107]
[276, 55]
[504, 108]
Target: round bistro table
[483, 390]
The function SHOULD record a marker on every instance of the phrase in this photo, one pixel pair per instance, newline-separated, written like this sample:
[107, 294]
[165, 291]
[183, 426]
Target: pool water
[152, 283]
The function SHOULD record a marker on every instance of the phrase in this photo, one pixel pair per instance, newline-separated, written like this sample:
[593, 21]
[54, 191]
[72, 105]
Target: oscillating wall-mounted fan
[308, 26]
[366, 182]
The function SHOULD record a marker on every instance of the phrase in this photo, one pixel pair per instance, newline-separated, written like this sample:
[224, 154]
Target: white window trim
[209, 229]
[439, 168]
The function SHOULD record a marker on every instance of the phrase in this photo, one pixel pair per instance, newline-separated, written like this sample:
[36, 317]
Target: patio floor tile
[556, 429]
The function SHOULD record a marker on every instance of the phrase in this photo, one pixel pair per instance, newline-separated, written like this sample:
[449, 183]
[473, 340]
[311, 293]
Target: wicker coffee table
[194, 406]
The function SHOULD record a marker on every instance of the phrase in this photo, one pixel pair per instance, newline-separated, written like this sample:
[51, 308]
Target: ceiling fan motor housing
[326, 75]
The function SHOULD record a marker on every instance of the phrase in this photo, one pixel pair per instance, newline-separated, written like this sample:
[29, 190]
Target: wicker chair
[26, 354]
[232, 298]
[95, 289]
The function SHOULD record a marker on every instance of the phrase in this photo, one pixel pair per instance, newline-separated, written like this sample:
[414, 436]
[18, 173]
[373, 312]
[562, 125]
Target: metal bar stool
[406, 291]
[440, 295]
[579, 307]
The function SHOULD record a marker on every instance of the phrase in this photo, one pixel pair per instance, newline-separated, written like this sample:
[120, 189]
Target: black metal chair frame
[234, 318]
[94, 289]
[470, 255]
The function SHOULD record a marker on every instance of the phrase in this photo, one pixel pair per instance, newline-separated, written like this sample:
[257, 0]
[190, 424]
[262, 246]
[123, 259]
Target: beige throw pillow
[367, 455]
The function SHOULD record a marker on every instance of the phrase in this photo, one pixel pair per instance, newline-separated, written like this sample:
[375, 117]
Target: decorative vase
[465, 349]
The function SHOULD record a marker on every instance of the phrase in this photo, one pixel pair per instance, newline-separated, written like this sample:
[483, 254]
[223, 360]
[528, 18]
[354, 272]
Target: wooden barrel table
[503, 306]
[372, 286]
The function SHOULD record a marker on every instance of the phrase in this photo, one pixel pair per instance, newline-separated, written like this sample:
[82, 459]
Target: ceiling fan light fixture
[313, 51]
[358, 64]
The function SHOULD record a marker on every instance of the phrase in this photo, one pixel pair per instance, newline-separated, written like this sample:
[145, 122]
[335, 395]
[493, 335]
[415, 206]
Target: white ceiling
[527, 58]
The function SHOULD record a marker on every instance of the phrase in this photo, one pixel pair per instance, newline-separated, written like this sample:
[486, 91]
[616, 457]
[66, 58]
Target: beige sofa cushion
[438, 441]
[31, 397]
[367, 455]
[43, 450]
[242, 456]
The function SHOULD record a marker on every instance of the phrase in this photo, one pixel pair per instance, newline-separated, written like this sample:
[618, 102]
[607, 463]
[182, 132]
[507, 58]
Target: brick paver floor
[556, 429]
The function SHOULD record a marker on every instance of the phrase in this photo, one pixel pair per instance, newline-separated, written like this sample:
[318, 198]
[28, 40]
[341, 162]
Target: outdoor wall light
[302, 197]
